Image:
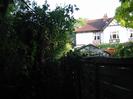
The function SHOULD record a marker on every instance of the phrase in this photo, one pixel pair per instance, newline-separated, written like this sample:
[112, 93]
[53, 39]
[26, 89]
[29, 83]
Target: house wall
[130, 31]
[122, 32]
[84, 38]
[88, 37]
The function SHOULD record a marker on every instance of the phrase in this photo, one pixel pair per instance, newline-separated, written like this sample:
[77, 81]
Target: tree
[52, 27]
[80, 22]
[4, 6]
[29, 39]
[124, 13]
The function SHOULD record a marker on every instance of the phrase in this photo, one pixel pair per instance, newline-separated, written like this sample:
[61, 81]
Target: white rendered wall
[88, 37]
[123, 33]
[84, 38]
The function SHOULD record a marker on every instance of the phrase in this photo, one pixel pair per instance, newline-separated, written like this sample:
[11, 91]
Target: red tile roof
[94, 25]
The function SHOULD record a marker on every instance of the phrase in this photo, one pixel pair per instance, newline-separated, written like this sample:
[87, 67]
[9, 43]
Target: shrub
[30, 42]
[122, 50]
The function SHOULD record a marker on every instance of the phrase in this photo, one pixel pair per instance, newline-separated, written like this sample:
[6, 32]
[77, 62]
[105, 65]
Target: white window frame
[97, 36]
[114, 35]
[131, 33]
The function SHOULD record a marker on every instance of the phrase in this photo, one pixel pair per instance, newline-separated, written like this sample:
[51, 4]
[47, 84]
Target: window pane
[94, 37]
[110, 37]
[131, 35]
[98, 37]
[114, 36]
[117, 36]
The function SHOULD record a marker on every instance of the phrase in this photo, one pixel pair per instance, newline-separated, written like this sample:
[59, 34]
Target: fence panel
[112, 77]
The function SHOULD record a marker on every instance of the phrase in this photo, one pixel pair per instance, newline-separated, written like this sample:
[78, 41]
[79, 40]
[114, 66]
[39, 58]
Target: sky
[90, 9]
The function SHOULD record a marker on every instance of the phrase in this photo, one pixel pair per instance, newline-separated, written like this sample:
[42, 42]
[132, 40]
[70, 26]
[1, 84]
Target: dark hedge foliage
[31, 43]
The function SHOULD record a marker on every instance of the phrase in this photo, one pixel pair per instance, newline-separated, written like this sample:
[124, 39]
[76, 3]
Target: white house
[104, 30]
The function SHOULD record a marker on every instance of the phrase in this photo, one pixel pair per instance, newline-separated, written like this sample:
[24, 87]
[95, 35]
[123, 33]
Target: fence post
[97, 82]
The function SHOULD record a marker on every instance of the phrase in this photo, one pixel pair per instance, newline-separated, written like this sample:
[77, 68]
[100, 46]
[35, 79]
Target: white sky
[90, 9]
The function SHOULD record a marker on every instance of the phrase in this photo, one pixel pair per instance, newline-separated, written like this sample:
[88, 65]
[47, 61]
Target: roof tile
[94, 25]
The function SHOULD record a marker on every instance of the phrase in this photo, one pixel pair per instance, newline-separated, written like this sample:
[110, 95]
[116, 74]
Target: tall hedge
[31, 39]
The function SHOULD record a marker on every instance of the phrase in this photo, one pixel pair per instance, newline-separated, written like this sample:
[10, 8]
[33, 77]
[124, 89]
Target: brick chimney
[105, 17]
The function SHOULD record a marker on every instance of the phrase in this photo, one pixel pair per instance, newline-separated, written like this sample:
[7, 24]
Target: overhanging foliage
[124, 13]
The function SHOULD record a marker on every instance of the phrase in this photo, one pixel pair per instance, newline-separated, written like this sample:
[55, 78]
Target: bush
[30, 43]
[122, 50]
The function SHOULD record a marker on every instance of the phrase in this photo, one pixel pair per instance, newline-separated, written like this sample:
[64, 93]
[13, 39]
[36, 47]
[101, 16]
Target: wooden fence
[101, 78]
[77, 78]
[106, 78]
